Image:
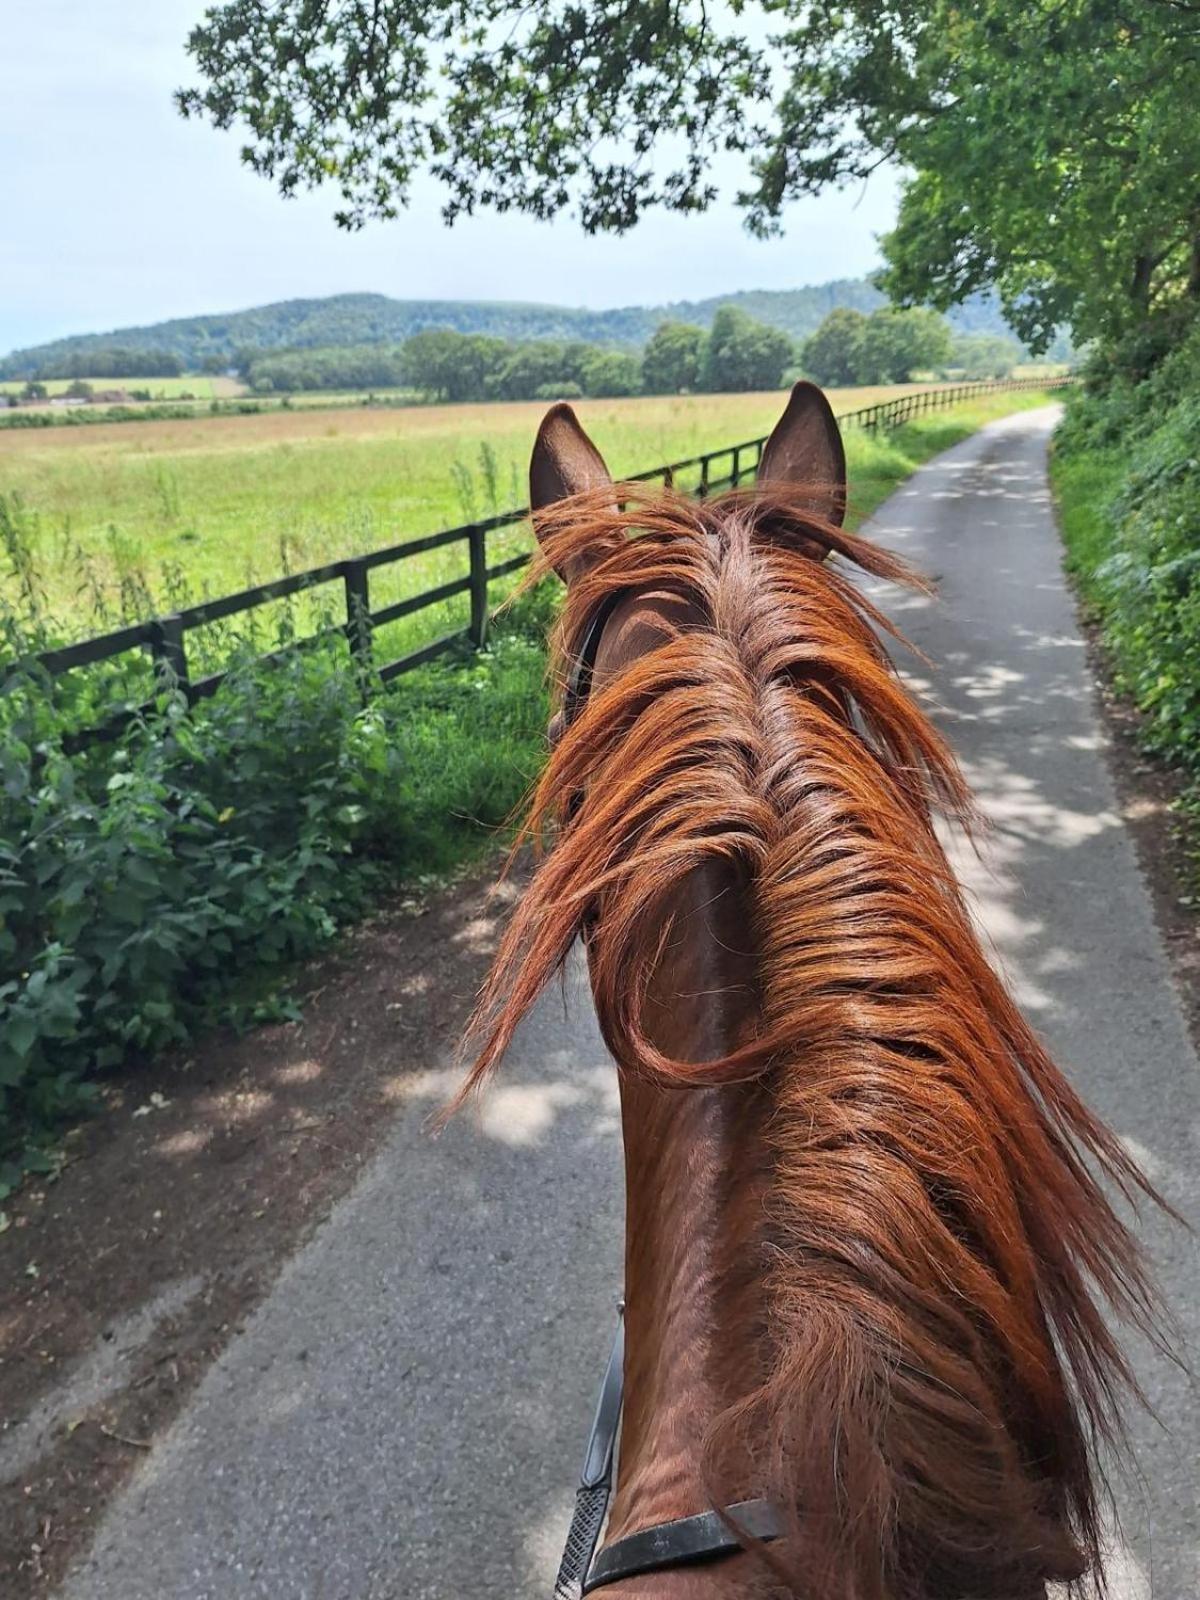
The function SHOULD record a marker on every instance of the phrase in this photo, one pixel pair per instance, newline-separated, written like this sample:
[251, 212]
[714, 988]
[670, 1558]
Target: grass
[126, 522]
[1084, 487]
[316, 399]
[203, 388]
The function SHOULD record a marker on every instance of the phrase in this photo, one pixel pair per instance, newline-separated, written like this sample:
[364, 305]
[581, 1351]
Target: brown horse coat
[868, 1244]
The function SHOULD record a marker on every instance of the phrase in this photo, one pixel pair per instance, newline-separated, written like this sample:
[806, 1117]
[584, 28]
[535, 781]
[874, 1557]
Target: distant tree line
[209, 343]
[736, 353]
[113, 361]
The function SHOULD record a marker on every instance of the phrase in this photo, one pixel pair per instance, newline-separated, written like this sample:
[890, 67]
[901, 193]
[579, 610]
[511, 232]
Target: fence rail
[165, 637]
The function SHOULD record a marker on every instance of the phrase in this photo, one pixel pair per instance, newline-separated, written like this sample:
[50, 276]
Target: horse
[870, 1240]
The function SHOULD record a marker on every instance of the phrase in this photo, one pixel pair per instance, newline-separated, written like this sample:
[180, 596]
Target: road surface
[402, 1417]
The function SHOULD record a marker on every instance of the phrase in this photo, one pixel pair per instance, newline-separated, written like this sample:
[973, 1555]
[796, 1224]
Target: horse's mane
[941, 1370]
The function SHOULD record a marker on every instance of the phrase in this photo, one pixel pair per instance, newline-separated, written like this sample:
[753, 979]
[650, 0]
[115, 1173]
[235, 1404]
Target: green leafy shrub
[1128, 473]
[146, 885]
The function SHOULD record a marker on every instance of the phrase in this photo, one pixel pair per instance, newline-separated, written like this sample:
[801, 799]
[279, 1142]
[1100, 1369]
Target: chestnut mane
[939, 1246]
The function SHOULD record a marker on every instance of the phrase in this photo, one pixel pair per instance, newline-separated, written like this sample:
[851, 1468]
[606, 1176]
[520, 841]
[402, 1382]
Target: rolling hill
[363, 319]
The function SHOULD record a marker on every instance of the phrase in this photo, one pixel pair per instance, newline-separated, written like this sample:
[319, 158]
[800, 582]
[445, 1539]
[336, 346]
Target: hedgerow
[1127, 470]
[147, 885]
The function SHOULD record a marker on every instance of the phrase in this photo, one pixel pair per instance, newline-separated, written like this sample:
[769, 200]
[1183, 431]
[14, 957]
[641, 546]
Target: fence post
[168, 652]
[702, 490]
[735, 476]
[477, 543]
[358, 616]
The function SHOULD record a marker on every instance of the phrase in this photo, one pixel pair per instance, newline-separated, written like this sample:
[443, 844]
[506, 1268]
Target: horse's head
[804, 458]
[863, 1246]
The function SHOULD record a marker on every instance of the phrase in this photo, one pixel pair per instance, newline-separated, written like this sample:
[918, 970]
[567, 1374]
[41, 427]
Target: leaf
[20, 1034]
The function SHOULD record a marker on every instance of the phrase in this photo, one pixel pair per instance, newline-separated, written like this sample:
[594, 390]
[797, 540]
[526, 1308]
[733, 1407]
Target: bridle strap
[595, 1481]
[703, 1537]
[579, 684]
[685, 1540]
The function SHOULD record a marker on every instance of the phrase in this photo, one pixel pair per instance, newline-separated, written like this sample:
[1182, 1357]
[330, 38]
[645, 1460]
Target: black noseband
[682, 1542]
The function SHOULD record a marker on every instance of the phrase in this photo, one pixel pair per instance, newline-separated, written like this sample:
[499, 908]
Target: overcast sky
[114, 211]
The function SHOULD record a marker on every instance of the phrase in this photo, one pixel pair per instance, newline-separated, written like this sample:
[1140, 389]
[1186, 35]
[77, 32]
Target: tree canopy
[886, 347]
[1053, 146]
[740, 353]
[895, 344]
[672, 357]
[831, 355]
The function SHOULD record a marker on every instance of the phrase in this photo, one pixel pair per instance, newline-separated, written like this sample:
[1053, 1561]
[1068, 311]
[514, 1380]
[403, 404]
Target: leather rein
[683, 1541]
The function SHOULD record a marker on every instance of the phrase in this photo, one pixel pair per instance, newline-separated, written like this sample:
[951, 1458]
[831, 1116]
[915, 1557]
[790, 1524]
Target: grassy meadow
[117, 523]
[203, 388]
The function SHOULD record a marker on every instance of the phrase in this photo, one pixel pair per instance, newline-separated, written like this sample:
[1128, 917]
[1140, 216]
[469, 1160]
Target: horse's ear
[564, 462]
[805, 451]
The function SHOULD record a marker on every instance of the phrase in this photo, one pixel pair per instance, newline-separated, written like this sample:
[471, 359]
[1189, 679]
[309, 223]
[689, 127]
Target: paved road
[402, 1417]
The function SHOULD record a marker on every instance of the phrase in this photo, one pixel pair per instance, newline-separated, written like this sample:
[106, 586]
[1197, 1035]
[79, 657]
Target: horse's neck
[695, 1179]
[696, 1169]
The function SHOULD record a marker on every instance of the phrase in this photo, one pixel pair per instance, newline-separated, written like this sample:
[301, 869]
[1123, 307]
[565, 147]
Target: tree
[831, 354]
[33, 390]
[895, 344]
[1053, 146]
[610, 372]
[985, 355]
[741, 354]
[535, 364]
[451, 366]
[349, 367]
[98, 360]
[672, 357]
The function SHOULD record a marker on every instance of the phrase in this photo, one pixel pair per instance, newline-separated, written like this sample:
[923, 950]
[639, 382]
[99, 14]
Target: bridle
[680, 1542]
[683, 1541]
[583, 670]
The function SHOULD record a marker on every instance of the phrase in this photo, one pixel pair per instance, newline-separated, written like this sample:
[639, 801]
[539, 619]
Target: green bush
[147, 885]
[1127, 468]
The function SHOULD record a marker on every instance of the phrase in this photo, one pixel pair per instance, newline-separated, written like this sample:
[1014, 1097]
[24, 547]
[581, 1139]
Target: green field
[202, 388]
[122, 522]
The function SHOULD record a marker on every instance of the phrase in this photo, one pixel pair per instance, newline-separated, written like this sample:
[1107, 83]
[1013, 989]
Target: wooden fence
[165, 637]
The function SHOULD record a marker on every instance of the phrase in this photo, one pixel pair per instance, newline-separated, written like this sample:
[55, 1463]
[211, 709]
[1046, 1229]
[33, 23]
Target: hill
[365, 319]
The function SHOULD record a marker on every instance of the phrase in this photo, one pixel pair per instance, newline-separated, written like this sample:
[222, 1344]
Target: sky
[117, 212]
